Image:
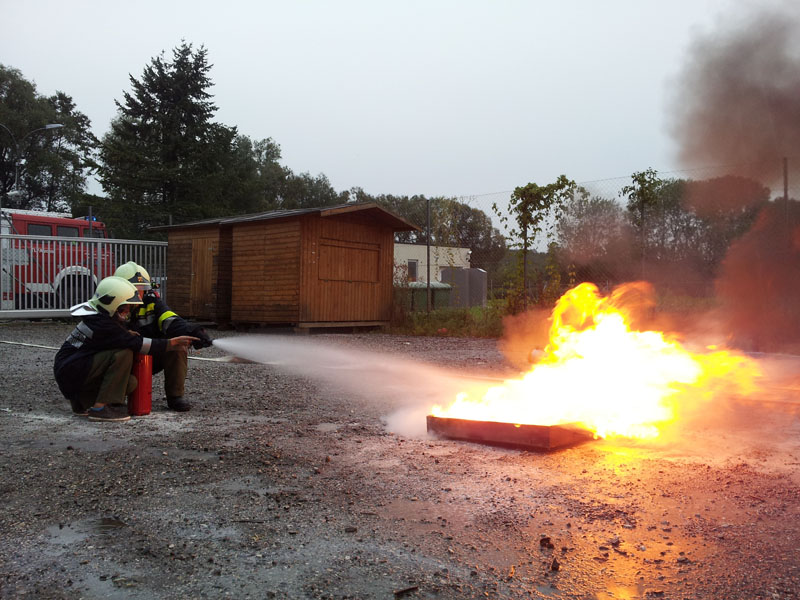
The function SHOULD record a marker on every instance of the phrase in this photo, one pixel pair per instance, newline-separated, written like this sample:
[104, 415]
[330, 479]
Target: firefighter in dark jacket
[93, 366]
[156, 320]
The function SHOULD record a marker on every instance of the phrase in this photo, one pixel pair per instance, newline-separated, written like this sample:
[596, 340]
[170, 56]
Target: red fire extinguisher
[140, 400]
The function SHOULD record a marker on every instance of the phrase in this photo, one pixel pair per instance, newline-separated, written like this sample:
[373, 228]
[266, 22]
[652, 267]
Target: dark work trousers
[109, 380]
[174, 364]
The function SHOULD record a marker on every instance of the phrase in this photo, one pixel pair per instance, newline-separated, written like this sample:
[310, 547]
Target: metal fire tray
[529, 437]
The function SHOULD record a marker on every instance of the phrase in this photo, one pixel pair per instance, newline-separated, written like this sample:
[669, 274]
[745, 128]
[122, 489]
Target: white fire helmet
[111, 293]
[134, 273]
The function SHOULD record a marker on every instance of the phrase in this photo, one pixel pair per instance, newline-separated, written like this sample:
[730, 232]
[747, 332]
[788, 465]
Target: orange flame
[599, 373]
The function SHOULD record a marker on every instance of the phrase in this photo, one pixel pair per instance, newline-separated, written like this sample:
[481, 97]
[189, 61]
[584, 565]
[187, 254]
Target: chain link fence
[675, 234]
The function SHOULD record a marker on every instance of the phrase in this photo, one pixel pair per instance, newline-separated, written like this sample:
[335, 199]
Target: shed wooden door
[201, 286]
[347, 271]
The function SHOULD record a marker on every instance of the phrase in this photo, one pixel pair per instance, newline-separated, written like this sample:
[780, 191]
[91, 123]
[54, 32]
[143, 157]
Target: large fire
[599, 372]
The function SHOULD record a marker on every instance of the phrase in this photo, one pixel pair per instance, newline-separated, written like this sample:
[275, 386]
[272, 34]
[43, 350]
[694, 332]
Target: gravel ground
[282, 485]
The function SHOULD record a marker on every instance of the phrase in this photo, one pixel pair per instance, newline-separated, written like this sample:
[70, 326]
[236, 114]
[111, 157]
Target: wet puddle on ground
[327, 427]
[621, 592]
[255, 485]
[86, 445]
[69, 533]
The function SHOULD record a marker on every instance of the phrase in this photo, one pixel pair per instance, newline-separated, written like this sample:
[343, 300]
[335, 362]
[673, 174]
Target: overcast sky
[413, 97]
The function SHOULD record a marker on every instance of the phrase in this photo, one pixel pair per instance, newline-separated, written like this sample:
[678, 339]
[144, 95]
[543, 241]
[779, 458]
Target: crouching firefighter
[154, 319]
[93, 366]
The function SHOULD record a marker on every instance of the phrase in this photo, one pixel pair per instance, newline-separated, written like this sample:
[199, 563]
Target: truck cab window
[66, 231]
[38, 229]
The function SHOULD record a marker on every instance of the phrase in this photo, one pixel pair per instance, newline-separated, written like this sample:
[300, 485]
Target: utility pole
[428, 259]
[786, 188]
[524, 267]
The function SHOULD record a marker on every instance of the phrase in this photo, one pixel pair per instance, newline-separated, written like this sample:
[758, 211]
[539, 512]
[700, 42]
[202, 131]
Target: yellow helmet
[134, 273]
[111, 293]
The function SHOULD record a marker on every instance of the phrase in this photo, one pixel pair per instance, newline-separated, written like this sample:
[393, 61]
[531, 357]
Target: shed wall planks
[307, 268]
[265, 270]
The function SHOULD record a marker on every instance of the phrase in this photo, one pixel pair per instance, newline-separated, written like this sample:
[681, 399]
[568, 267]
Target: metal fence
[43, 276]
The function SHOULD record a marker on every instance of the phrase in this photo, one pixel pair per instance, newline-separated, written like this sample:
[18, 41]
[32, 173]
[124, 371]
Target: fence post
[428, 259]
[642, 232]
[2, 266]
[525, 267]
[94, 255]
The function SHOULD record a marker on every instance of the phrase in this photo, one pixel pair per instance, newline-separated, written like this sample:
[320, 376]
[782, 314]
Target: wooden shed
[315, 267]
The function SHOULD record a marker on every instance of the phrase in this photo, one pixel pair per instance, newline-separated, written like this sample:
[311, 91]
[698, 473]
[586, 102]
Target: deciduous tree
[52, 164]
[533, 210]
[307, 191]
[685, 227]
[591, 227]
[458, 224]
[594, 235]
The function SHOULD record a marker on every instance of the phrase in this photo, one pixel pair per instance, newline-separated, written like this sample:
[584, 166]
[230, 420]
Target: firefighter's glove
[204, 341]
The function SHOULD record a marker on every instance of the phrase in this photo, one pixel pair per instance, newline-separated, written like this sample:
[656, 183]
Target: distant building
[411, 260]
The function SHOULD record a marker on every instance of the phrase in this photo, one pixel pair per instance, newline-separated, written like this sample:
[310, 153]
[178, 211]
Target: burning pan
[530, 437]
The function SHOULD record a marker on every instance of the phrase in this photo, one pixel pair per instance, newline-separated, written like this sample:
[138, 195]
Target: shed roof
[370, 209]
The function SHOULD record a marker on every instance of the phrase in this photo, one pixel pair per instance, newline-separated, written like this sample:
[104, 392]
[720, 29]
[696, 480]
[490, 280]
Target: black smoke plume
[737, 102]
[737, 107]
[760, 282]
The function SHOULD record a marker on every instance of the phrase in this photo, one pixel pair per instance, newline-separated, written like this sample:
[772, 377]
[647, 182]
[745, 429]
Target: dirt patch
[281, 485]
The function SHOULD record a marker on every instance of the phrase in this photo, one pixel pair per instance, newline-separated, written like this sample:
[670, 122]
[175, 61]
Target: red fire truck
[54, 265]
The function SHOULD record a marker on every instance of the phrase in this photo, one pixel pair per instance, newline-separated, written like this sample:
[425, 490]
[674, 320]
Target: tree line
[672, 232]
[165, 159]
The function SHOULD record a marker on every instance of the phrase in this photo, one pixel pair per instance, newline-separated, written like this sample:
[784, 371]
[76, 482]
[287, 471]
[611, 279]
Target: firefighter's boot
[178, 404]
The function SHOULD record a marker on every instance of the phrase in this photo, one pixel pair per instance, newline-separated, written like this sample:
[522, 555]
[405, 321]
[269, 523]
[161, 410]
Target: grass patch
[487, 322]
[477, 321]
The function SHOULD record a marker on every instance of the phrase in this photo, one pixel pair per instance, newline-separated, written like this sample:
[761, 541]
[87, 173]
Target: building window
[412, 269]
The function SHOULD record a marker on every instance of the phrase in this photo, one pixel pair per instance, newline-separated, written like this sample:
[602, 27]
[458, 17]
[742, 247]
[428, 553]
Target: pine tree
[164, 157]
